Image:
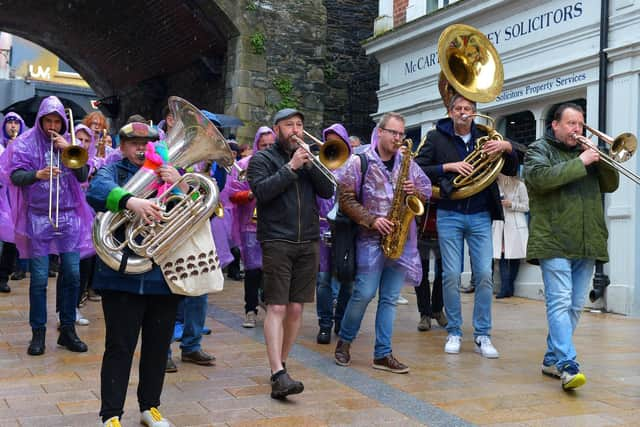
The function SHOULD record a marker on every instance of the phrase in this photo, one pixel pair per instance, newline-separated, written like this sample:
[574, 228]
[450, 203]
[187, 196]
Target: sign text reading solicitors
[510, 31]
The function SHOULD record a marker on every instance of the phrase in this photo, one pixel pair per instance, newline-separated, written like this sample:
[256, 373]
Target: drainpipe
[601, 280]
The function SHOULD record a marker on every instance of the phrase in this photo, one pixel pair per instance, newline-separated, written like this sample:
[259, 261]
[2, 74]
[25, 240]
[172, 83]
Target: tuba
[404, 207]
[472, 68]
[193, 139]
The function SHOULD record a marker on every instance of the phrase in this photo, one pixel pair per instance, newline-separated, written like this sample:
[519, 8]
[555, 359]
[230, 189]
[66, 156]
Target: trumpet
[622, 149]
[332, 155]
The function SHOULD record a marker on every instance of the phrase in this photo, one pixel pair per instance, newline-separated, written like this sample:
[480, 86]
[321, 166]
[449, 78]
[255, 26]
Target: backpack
[344, 233]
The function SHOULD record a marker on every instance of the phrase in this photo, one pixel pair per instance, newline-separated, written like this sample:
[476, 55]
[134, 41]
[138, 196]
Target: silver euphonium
[192, 139]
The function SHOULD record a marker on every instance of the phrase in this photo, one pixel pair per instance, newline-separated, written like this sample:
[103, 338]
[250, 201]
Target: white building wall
[550, 52]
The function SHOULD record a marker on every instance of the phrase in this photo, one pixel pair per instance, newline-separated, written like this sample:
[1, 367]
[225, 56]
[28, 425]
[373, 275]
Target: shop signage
[545, 86]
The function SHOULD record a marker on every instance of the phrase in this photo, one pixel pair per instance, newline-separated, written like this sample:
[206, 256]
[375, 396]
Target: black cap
[285, 114]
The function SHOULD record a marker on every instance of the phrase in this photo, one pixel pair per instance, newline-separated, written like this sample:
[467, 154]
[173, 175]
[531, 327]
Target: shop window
[520, 127]
[433, 5]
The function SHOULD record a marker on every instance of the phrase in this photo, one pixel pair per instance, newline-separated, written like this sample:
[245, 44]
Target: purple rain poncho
[325, 205]
[34, 234]
[94, 161]
[243, 226]
[377, 196]
[4, 137]
[6, 219]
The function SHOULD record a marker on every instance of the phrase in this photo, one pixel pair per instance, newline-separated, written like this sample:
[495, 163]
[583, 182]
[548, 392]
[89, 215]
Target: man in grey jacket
[285, 185]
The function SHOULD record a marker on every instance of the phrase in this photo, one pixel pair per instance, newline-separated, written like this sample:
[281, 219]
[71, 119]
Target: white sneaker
[153, 418]
[484, 347]
[250, 320]
[402, 300]
[80, 319]
[453, 344]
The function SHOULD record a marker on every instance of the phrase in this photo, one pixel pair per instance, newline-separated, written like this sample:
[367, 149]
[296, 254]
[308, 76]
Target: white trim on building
[550, 52]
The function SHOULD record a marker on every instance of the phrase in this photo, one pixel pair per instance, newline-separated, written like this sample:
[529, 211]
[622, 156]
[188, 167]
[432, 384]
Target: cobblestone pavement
[61, 388]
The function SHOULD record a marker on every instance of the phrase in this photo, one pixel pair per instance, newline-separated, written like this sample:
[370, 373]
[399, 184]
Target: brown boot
[342, 355]
[391, 364]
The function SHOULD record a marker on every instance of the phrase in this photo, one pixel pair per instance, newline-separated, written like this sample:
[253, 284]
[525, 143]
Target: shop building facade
[552, 52]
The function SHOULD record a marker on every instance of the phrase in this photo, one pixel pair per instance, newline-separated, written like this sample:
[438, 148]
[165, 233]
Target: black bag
[343, 242]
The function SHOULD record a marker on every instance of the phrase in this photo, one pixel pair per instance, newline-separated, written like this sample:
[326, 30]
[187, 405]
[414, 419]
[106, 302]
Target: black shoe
[4, 287]
[18, 275]
[171, 366]
[36, 346]
[324, 336]
[500, 296]
[52, 273]
[283, 385]
[336, 327]
[69, 339]
[199, 357]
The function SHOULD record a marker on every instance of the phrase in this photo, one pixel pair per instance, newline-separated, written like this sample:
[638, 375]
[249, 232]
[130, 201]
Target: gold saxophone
[403, 208]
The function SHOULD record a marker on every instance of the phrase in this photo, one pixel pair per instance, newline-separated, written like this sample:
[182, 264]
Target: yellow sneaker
[572, 380]
[112, 422]
[153, 418]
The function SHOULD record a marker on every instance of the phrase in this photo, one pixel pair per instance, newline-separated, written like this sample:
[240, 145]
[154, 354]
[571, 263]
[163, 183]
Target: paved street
[62, 388]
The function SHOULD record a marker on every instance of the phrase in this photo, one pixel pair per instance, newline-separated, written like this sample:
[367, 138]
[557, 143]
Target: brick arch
[119, 47]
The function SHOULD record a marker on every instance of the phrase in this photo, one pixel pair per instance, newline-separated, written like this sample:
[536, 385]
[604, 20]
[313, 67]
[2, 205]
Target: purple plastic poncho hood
[4, 136]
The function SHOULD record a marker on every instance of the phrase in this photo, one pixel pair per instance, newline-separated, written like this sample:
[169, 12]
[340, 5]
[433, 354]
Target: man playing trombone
[565, 179]
[285, 189]
[48, 186]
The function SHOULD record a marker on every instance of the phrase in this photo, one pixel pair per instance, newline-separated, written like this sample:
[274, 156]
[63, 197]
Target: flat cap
[285, 114]
[137, 130]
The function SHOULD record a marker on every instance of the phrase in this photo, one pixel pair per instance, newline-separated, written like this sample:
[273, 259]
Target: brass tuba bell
[472, 68]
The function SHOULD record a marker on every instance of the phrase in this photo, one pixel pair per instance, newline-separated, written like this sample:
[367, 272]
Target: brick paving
[61, 388]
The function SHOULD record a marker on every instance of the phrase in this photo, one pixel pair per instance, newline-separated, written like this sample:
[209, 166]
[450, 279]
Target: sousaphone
[471, 67]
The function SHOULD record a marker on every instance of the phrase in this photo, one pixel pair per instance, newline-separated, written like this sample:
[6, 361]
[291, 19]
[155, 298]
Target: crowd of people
[276, 236]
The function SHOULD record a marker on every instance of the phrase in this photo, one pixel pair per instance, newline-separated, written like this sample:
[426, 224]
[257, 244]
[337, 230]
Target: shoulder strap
[364, 165]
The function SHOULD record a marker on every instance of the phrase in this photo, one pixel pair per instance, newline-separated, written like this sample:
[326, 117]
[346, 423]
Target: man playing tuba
[468, 218]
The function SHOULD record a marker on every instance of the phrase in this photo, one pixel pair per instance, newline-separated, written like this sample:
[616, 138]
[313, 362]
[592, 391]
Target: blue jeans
[194, 314]
[329, 288]
[453, 229]
[70, 269]
[389, 281]
[566, 283]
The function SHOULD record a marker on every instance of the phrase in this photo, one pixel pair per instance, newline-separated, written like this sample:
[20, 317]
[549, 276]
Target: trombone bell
[333, 154]
[74, 157]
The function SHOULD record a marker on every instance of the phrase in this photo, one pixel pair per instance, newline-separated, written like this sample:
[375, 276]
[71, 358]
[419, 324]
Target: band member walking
[132, 303]
[469, 218]
[285, 190]
[245, 221]
[53, 218]
[568, 231]
[375, 273]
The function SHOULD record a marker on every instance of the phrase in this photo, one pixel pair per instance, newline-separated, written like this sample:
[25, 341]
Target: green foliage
[285, 89]
[251, 6]
[330, 71]
[257, 42]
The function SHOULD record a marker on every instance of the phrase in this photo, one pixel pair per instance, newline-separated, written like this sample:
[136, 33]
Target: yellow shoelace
[155, 414]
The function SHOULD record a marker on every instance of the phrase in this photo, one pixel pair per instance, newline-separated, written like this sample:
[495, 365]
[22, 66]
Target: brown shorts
[289, 271]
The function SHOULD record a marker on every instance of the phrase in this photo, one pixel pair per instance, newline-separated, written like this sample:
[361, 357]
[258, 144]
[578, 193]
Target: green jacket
[567, 218]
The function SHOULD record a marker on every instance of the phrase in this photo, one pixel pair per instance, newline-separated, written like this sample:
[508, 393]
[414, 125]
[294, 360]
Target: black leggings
[125, 315]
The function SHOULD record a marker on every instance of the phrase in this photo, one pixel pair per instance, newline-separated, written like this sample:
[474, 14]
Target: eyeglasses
[395, 133]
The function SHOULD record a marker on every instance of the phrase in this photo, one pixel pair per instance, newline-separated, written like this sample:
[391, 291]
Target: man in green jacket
[568, 233]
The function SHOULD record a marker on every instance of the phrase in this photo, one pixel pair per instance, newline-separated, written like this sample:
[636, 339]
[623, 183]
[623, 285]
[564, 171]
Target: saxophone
[403, 208]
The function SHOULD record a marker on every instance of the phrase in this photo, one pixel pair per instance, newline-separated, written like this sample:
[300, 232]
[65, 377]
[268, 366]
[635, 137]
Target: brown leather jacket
[351, 207]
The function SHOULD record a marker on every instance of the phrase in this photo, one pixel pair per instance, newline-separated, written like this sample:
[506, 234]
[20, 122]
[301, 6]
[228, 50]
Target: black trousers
[252, 286]
[7, 260]
[429, 303]
[125, 315]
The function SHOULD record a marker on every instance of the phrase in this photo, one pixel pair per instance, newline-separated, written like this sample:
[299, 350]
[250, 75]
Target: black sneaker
[18, 275]
[324, 336]
[199, 357]
[283, 385]
[4, 287]
[36, 346]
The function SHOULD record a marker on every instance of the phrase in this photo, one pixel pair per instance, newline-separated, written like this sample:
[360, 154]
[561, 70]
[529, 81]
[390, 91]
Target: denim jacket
[150, 283]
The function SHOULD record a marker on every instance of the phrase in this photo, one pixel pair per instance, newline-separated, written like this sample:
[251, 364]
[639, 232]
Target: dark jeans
[324, 300]
[429, 303]
[125, 315]
[7, 260]
[252, 286]
[87, 266]
[70, 270]
[508, 272]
